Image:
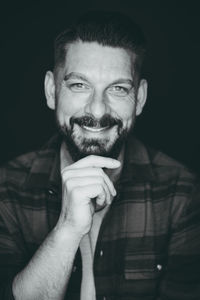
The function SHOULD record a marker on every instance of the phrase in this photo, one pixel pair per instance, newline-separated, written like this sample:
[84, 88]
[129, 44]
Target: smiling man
[96, 214]
[96, 97]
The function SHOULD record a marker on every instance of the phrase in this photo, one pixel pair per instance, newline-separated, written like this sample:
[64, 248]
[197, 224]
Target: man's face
[95, 99]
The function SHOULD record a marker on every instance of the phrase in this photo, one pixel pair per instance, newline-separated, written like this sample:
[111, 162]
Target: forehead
[93, 59]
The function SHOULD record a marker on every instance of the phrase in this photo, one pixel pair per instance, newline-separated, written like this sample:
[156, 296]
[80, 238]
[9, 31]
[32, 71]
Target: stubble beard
[80, 147]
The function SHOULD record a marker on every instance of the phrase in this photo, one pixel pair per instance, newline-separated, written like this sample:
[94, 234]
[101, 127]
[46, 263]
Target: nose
[97, 105]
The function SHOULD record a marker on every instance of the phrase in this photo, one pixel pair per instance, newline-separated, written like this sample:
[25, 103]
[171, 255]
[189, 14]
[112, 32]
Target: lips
[95, 129]
[93, 125]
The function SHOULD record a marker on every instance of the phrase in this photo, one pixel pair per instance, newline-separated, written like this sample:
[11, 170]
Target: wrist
[66, 232]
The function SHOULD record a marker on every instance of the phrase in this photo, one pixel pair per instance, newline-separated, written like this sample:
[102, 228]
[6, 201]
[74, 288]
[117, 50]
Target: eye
[119, 90]
[78, 86]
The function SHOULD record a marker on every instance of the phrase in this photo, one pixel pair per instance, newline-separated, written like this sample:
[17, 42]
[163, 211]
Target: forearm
[48, 272]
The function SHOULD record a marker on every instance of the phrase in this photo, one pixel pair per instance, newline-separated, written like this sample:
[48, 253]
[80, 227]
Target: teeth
[94, 129]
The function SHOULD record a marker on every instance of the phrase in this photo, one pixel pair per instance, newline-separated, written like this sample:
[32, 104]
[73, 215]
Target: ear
[49, 87]
[141, 96]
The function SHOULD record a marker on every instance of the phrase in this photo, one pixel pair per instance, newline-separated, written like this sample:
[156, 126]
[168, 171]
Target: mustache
[90, 121]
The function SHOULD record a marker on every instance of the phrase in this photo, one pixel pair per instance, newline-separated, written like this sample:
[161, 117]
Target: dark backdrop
[170, 120]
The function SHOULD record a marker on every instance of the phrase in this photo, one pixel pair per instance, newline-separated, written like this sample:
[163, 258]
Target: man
[95, 214]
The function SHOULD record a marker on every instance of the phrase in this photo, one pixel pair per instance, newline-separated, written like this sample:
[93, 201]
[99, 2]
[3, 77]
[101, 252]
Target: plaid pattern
[149, 242]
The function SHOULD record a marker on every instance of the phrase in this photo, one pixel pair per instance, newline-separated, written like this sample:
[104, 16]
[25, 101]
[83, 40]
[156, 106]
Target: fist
[82, 182]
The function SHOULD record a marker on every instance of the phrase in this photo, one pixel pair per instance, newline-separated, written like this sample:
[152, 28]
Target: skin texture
[94, 80]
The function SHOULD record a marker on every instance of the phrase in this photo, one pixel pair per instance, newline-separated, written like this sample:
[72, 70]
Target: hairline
[57, 66]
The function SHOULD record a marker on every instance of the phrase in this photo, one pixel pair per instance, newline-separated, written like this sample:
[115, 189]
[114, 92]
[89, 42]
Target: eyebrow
[74, 75]
[123, 80]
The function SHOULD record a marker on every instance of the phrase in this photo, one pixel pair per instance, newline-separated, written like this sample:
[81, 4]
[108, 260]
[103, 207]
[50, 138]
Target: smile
[92, 129]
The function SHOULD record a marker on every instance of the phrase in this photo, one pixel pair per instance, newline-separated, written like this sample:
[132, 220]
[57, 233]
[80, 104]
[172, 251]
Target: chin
[80, 147]
[94, 147]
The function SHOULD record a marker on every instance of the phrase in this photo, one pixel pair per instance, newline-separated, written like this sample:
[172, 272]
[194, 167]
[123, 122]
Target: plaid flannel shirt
[149, 242]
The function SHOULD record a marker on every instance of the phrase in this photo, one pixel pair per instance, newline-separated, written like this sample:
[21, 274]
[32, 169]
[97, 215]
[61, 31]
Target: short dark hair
[106, 28]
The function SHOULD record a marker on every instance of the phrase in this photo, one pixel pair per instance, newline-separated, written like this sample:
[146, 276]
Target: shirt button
[51, 192]
[159, 267]
[74, 269]
[101, 254]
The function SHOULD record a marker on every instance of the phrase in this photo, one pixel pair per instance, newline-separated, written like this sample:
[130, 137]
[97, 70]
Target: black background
[170, 120]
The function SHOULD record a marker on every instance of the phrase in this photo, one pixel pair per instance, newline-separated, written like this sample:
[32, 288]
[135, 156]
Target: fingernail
[114, 192]
[116, 162]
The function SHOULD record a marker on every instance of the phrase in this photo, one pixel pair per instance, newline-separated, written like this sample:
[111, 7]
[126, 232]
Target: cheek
[63, 114]
[66, 108]
[126, 112]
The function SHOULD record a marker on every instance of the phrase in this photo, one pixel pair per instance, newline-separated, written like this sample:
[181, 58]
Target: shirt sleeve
[11, 254]
[182, 277]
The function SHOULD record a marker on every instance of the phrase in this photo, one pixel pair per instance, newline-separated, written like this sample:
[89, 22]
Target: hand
[82, 182]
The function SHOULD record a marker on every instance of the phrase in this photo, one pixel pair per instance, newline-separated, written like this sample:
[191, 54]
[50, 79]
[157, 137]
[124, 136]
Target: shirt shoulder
[154, 165]
[31, 169]
[166, 167]
[16, 170]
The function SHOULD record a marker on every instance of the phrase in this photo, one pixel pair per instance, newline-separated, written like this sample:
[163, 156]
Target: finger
[100, 202]
[89, 172]
[88, 192]
[75, 182]
[96, 161]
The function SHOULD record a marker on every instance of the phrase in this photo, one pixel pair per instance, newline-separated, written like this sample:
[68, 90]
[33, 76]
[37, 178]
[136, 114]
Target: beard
[80, 147]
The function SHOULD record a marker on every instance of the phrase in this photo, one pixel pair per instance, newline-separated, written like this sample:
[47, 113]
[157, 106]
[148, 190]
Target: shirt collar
[137, 162]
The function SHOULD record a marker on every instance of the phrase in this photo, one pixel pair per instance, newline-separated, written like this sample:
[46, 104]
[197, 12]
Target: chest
[125, 247]
[123, 254]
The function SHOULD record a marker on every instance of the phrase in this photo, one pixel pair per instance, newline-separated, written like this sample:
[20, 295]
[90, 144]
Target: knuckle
[65, 173]
[69, 183]
[75, 192]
